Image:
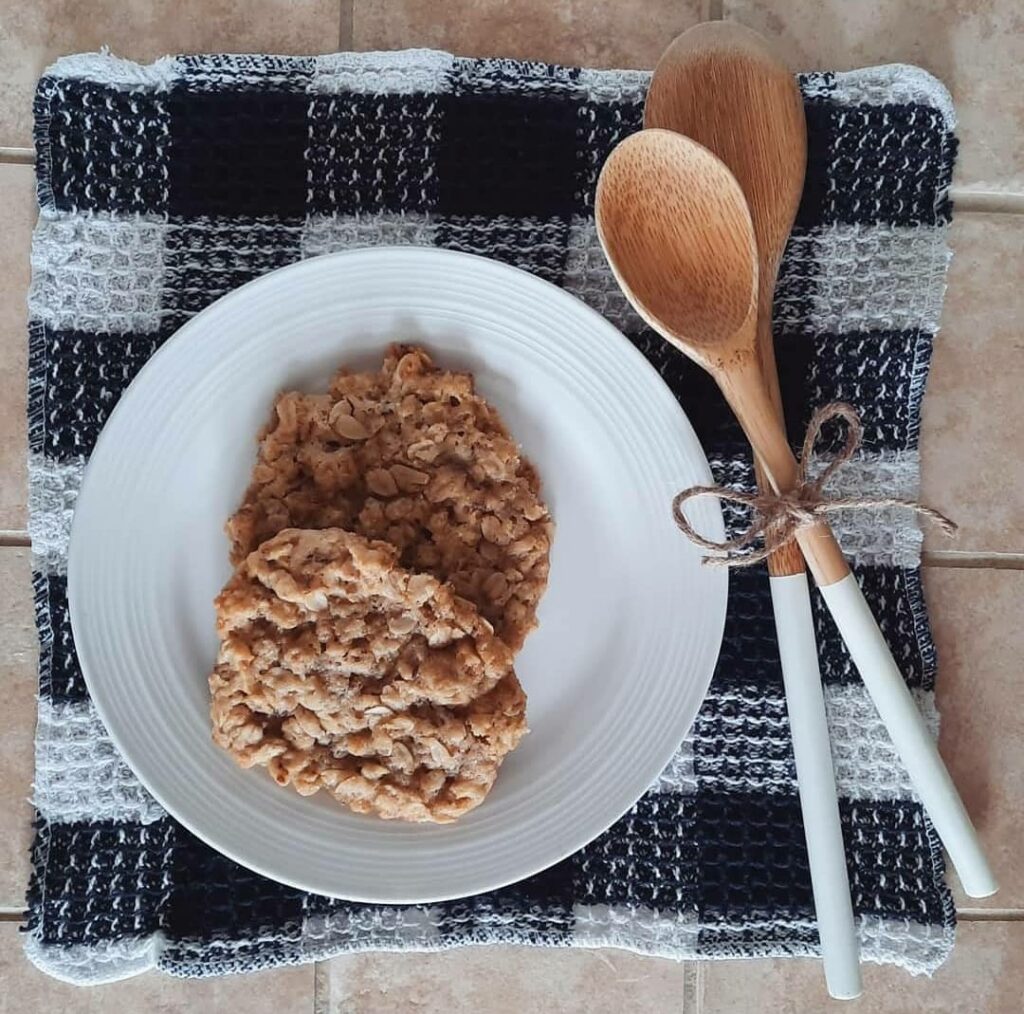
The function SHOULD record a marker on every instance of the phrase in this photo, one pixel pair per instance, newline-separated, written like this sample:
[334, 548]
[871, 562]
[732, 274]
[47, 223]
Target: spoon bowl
[677, 232]
[676, 229]
[722, 85]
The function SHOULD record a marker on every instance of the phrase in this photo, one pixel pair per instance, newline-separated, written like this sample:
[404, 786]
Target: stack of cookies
[389, 557]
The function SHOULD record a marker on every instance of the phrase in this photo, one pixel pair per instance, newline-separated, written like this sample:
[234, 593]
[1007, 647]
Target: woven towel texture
[162, 187]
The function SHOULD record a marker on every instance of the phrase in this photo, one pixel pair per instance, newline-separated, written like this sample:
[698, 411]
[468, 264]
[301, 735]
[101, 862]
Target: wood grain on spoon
[676, 229]
[720, 84]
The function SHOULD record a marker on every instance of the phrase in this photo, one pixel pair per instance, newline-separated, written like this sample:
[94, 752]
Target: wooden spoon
[720, 84]
[676, 230]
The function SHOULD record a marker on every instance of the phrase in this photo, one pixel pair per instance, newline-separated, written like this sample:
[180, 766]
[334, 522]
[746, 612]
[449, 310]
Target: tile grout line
[17, 156]
[966, 200]
[690, 1001]
[346, 19]
[990, 914]
[952, 559]
[321, 991]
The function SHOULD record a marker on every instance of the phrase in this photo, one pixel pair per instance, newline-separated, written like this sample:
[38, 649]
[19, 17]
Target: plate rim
[75, 588]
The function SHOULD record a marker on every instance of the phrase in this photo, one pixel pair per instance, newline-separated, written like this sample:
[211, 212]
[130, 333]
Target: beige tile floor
[971, 465]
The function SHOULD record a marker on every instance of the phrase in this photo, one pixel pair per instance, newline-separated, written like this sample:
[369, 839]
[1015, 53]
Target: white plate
[630, 625]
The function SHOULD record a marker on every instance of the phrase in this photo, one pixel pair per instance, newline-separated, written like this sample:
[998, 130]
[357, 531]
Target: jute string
[779, 516]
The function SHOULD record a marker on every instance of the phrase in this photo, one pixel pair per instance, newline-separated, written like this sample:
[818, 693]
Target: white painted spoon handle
[911, 737]
[840, 950]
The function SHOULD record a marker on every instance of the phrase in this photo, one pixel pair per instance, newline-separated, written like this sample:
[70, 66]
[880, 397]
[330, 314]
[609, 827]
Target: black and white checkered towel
[165, 186]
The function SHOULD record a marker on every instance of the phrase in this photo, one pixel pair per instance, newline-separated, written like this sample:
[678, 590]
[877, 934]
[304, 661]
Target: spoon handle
[826, 854]
[742, 383]
[808, 723]
[913, 739]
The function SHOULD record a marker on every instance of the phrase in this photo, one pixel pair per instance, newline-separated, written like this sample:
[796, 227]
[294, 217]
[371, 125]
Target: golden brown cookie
[339, 669]
[413, 456]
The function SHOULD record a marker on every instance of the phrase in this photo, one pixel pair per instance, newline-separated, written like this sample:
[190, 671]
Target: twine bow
[779, 516]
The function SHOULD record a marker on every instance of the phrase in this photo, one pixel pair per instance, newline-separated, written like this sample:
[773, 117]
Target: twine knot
[778, 517]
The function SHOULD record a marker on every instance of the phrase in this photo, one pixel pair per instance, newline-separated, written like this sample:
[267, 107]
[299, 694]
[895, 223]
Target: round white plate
[629, 628]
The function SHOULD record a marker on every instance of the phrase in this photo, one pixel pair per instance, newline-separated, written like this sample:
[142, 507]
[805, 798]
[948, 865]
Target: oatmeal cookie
[413, 456]
[339, 669]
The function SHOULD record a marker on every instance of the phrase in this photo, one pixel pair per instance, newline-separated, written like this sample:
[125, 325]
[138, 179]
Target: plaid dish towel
[162, 187]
